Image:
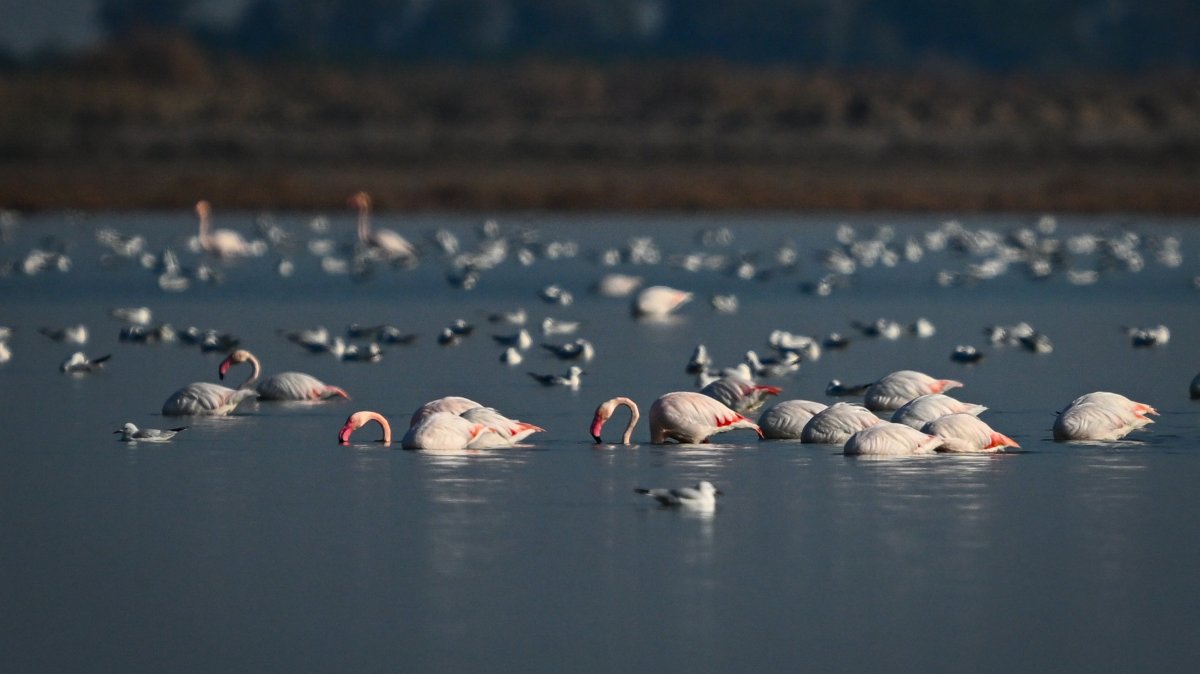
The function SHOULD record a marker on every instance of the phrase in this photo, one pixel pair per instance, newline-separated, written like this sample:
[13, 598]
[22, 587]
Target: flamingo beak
[344, 434]
[223, 368]
[597, 424]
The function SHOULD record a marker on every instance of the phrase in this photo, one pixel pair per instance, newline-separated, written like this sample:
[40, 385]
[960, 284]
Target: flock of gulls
[904, 413]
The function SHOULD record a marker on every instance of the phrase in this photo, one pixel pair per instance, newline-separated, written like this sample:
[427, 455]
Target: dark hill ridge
[658, 136]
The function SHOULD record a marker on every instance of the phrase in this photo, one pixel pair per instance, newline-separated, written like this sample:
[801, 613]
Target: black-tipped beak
[595, 437]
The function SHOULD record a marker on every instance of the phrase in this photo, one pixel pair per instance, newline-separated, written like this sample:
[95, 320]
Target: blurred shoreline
[99, 134]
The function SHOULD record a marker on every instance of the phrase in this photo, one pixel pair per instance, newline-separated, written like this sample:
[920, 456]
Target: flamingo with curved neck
[362, 418]
[605, 411]
[282, 386]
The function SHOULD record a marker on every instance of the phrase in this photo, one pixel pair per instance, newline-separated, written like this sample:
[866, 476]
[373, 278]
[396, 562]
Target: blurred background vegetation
[1085, 105]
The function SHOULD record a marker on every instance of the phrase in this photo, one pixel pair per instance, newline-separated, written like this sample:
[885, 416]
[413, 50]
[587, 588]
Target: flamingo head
[361, 201]
[202, 208]
[603, 413]
[239, 356]
[358, 420]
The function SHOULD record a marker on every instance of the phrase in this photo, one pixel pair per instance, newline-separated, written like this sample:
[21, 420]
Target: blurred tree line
[989, 35]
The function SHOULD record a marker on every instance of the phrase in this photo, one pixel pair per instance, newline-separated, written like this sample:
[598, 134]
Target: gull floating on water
[131, 433]
[80, 363]
[570, 380]
[703, 496]
[72, 334]
[580, 349]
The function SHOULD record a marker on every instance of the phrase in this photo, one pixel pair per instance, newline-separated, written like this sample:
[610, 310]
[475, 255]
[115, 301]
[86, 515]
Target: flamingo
[442, 430]
[1101, 415]
[131, 433]
[923, 409]
[889, 439]
[897, 388]
[786, 420]
[835, 425]
[739, 393]
[701, 497]
[220, 242]
[283, 386]
[659, 301]
[380, 243]
[362, 418]
[506, 432]
[689, 417]
[605, 411]
[451, 404]
[203, 398]
[964, 432]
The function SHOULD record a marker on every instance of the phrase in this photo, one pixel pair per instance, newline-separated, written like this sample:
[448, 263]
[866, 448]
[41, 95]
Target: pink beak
[225, 364]
[344, 434]
[597, 424]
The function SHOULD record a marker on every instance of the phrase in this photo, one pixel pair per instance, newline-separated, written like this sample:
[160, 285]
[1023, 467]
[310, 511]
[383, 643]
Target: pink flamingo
[362, 418]
[220, 242]
[659, 301]
[1101, 416]
[283, 386]
[684, 416]
[889, 439]
[203, 398]
[786, 420]
[443, 430]
[740, 394]
[508, 431]
[964, 432]
[923, 409]
[381, 243]
[835, 425]
[899, 387]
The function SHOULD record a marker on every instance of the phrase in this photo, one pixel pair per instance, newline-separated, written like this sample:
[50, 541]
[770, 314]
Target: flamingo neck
[633, 417]
[204, 235]
[364, 223]
[383, 423]
[255, 371]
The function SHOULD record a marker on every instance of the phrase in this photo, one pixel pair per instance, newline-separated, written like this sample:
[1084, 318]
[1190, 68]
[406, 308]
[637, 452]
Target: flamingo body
[1101, 416]
[506, 432]
[455, 405]
[219, 242]
[689, 417]
[786, 420]
[442, 430]
[659, 301]
[835, 424]
[740, 394]
[203, 398]
[897, 388]
[923, 409]
[889, 439]
[963, 432]
[283, 386]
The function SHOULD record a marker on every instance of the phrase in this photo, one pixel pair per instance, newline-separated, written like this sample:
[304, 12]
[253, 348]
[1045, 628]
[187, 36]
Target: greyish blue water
[257, 543]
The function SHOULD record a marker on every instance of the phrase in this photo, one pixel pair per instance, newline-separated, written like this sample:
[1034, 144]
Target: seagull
[521, 339]
[965, 353]
[702, 497]
[133, 315]
[554, 326]
[580, 349]
[78, 362]
[511, 356]
[131, 433]
[570, 380]
[837, 388]
[73, 334]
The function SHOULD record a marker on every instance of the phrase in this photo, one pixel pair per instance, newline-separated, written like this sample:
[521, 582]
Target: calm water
[257, 543]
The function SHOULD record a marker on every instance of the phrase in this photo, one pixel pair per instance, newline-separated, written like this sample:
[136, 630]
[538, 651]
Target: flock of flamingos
[905, 413]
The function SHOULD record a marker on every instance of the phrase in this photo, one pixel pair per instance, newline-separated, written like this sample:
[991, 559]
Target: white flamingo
[897, 388]
[964, 432]
[739, 393]
[701, 497]
[203, 398]
[835, 425]
[443, 430]
[381, 243]
[786, 420]
[219, 242]
[923, 409]
[659, 301]
[1101, 416]
[889, 439]
[689, 417]
[507, 432]
[282, 386]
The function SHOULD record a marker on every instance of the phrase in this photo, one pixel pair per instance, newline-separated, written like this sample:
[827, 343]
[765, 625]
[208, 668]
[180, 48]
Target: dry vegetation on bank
[140, 129]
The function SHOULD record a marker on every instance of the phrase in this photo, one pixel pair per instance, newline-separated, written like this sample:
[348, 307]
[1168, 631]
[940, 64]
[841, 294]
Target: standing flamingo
[1101, 416]
[380, 243]
[605, 411]
[689, 417]
[835, 425]
[897, 388]
[964, 432]
[923, 409]
[889, 439]
[283, 386]
[220, 242]
[786, 420]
